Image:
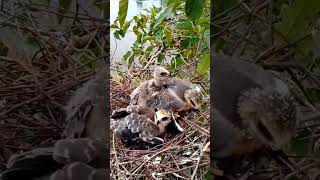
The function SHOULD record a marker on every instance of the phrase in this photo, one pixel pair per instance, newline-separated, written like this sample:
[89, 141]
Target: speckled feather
[136, 123]
[86, 110]
[142, 110]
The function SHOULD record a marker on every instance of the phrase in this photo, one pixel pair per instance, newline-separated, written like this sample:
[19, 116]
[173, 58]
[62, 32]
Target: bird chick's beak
[179, 128]
[160, 114]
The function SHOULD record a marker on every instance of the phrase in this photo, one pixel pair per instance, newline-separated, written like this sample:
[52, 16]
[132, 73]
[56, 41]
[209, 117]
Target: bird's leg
[180, 129]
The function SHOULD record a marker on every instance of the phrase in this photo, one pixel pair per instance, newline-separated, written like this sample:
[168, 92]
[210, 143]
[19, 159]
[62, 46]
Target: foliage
[176, 34]
[296, 20]
[3, 49]
[64, 5]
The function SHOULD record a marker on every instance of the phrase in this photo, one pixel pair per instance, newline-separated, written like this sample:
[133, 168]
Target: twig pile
[36, 80]
[180, 157]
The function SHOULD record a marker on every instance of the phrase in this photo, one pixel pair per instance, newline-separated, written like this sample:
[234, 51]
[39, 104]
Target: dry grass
[37, 77]
[181, 157]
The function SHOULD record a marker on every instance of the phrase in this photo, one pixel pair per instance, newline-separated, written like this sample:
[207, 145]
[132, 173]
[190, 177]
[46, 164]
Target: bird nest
[181, 156]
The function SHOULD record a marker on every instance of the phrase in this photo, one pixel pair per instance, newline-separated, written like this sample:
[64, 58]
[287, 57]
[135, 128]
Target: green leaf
[123, 10]
[301, 145]
[193, 41]
[3, 49]
[125, 27]
[178, 61]
[194, 8]
[222, 6]
[131, 59]
[135, 29]
[184, 44]
[161, 58]
[204, 65]
[297, 17]
[117, 35]
[126, 55]
[184, 24]
[208, 175]
[64, 5]
[150, 48]
[114, 26]
[168, 2]
[168, 36]
[207, 37]
[314, 95]
[104, 6]
[31, 136]
[168, 11]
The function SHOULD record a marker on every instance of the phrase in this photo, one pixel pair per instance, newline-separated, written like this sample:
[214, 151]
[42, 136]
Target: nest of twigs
[36, 84]
[181, 156]
[31, 105]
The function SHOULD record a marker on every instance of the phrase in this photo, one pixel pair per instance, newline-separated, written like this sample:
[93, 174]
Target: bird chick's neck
[157, 82]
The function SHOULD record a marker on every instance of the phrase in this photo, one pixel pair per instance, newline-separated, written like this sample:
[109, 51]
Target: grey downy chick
[87, 109]
[142, 93]
[177, 95]
[252, 108]
[137, 128]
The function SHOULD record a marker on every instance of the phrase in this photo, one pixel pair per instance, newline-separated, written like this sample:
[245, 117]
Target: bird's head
[194, 97]
[163, 119]
[270, 117]
[160, 74]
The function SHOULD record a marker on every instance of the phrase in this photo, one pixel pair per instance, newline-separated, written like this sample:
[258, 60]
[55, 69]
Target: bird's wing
[40, 162]
[142, 110]
[136, 93]
[30, 164]
[142, 125]
[79, 171]
[166, 99]
[119, 113]
[123, 112]
[136, 109]
[77, 119]
[83, 150]
[225, 135]
[17, 160]
[86, 111]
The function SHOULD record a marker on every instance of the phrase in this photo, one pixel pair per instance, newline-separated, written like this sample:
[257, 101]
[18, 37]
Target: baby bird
[177, 95]
[252, 108]
[135, 125]
[140, 95]
[87, 109]
[63, 161]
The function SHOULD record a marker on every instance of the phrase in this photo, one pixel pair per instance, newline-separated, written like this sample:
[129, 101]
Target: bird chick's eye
[164, 118]
[263, 129]
[192, 103]
[163, 74]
